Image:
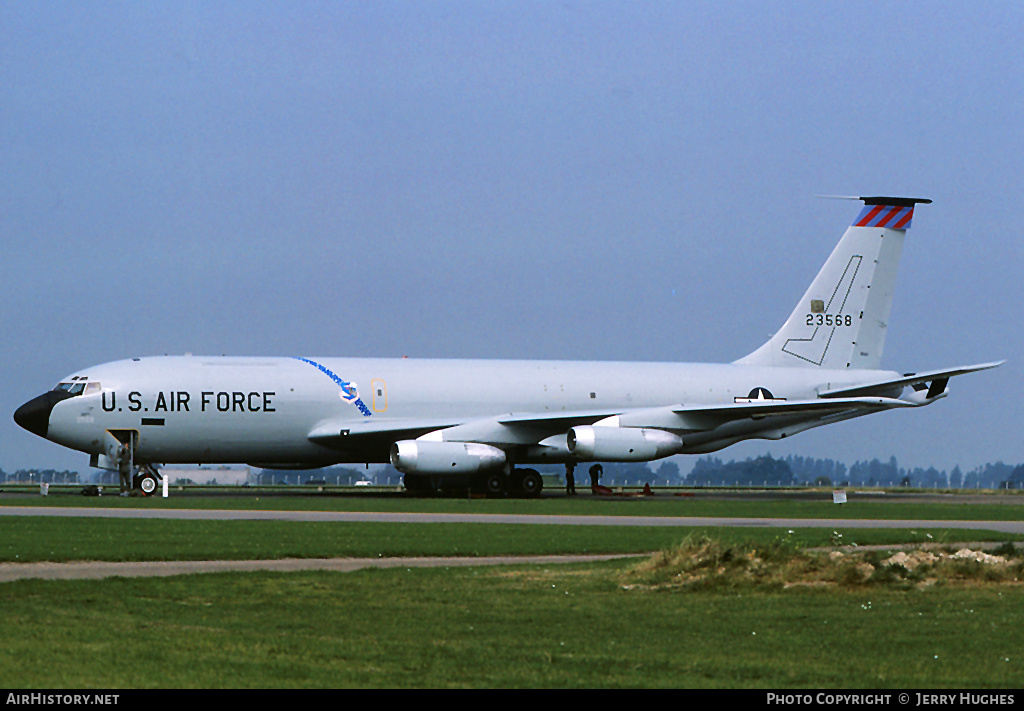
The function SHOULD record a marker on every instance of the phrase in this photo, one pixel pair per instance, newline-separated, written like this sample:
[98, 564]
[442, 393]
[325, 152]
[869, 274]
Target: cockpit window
[78, 386]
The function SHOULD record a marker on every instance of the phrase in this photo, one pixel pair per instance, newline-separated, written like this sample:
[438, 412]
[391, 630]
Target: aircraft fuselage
[197, 409]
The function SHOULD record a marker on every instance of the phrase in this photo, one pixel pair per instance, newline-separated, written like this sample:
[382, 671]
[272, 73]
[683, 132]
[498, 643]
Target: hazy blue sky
[571, 180]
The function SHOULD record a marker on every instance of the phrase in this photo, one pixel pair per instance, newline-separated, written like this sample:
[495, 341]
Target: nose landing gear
[120, 446]
[147, 480]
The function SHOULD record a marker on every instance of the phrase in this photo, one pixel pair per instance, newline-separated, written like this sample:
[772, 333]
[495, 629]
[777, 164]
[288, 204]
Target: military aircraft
[438, 420]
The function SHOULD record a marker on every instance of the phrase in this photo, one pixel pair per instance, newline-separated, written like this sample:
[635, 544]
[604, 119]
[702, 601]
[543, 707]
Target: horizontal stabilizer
[938, 378]
[710, 416]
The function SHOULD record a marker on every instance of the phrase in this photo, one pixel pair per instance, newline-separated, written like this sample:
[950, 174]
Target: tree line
[802, 471]
[807, 471]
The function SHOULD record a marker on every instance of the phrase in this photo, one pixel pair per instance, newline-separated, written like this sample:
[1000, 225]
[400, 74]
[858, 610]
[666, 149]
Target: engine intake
[429, 457]
[621, 444]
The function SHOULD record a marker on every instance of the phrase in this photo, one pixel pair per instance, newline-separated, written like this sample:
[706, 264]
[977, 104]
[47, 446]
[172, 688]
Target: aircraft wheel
[147, 484]
[530, 483]
[496, 484]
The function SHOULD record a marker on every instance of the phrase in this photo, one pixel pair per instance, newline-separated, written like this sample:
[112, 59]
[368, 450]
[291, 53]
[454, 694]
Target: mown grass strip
[30, 539]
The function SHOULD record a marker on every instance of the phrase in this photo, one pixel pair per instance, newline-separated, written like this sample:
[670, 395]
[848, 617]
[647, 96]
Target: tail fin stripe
[891, 214]
[882, 215]
[904, 223]
[867, 214]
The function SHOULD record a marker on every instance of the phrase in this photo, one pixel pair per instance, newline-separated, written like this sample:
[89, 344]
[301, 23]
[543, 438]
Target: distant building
[222, 476]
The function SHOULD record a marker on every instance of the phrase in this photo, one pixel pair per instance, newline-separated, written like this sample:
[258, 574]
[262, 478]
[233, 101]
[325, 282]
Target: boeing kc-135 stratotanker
[439, 420]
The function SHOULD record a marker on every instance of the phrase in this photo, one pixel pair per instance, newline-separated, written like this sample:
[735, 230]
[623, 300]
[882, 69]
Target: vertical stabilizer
[842, 319]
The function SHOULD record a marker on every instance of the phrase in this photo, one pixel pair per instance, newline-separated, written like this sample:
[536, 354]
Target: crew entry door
[380, 395]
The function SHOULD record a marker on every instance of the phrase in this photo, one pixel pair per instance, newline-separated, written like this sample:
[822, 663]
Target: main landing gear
[523, 483]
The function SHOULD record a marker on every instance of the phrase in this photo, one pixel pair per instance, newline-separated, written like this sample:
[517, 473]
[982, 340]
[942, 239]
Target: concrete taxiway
[532, 519]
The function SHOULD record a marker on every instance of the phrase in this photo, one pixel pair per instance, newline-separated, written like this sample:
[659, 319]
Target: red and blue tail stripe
[894, 217]
[893, 213]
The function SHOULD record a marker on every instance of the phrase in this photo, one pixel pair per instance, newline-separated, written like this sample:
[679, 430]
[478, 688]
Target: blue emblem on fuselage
[349, 390]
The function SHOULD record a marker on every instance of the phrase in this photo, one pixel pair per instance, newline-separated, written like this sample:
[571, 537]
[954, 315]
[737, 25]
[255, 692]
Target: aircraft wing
[937, 379]
[508, 428]
[534, 428]
[338, 432]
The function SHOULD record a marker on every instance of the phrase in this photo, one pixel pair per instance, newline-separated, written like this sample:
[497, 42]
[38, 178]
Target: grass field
[515, 626]
[607, 624]
[30, 539]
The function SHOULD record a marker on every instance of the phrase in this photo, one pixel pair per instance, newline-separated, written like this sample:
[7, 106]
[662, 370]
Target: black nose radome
[34, 415]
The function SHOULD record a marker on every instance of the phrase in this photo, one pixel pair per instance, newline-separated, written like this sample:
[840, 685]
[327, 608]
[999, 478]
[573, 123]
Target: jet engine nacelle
[430, 457]
[621, 444]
